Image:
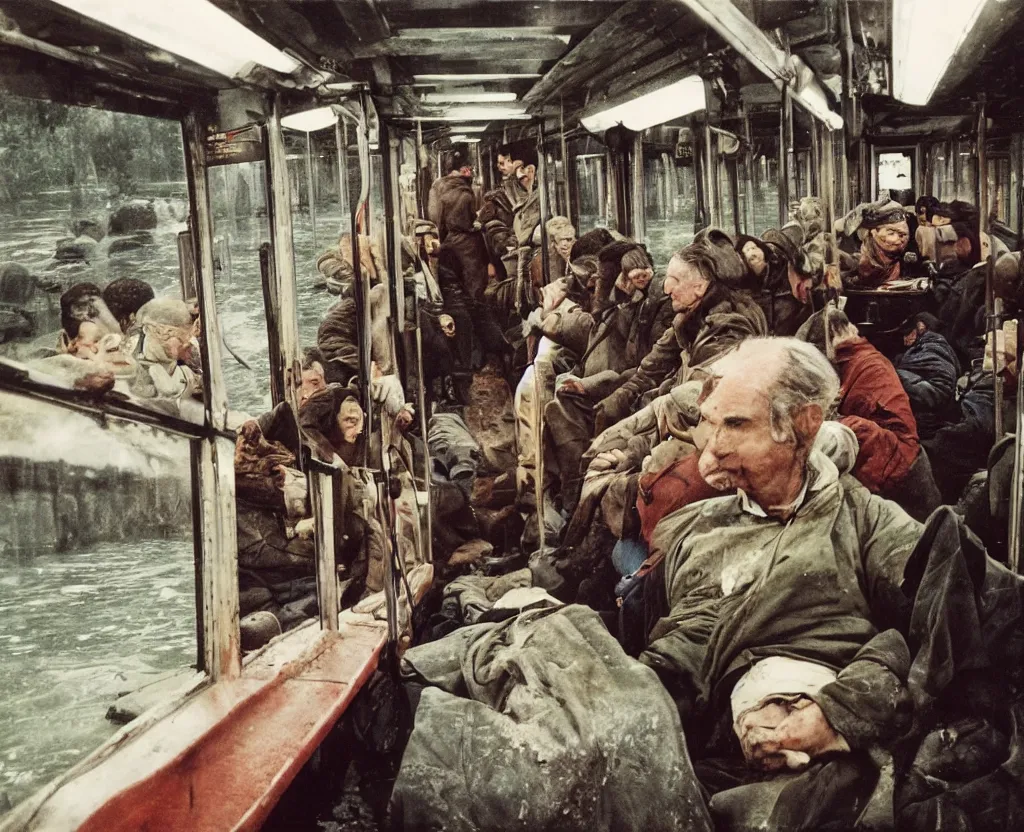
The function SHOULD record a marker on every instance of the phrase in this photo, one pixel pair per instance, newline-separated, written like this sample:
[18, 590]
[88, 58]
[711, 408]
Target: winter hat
[875, 215]
[424, 227]
[813, 330]
[591, 243]
[560, 228]
[719, 256]
[165, 311]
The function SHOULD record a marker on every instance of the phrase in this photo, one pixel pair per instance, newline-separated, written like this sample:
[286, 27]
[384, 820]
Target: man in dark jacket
[607, 342]
[928, 371]
[709, 319]
[452, 208]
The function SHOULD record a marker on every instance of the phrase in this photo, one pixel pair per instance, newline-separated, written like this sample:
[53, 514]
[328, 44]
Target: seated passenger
[164, 348]
[276, 554]
[874, 405]
[610, 340]
[928, 371]
[83, 302]
[884, 235]
[710, 317]
[771, 648]
[561, 238]
[125, 297]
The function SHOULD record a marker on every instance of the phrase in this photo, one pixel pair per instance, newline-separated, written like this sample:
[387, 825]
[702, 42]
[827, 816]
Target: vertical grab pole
[309, 189]
[538, 410]
[786, 194]
[565, 159]
[284, 255]
[321, 491]
[1017, 485]
[992, 304]
[637, 189]
[361, 281]
[341, 142]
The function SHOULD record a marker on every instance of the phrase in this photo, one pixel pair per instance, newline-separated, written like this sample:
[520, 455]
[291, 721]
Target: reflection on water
[75, 631]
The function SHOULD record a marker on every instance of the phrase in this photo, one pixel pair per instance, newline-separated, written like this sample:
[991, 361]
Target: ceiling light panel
[194, 29]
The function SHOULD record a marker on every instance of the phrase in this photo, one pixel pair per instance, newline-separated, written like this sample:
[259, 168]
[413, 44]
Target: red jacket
[874, 405]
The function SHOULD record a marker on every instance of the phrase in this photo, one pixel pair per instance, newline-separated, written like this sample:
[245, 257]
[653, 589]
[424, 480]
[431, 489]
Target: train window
[238, 198]
[999, 188]
[895, 172]
[669, 194]
[98, 590]
[90, 287]
[595, 198]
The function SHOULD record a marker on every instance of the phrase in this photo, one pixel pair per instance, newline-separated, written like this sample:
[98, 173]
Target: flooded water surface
[76, 630]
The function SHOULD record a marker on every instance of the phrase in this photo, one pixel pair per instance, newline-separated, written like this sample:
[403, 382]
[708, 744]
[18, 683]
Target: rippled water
[76, 630]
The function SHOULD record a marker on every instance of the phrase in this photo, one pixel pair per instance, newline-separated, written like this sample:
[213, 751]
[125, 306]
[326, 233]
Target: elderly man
[709, 318]
[772, 647]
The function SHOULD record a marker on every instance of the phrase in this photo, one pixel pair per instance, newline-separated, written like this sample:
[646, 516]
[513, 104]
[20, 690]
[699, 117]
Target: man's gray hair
[804, 377]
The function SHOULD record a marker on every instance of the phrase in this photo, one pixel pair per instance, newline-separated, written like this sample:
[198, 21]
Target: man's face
[799, 285]
[505, 165]
[563, 245]
[350, 420]
[892, 237]
[684, 284]
[754, 256]
[911, 337]
[312, 382]
[938, 220]
[741, 451]
[922, 218]
[527, 174]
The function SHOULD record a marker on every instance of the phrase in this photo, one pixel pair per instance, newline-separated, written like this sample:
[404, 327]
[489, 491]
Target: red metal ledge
[222, 758]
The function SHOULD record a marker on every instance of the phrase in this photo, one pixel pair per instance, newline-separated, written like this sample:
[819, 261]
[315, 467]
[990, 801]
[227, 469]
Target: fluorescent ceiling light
[478, 114]
[510, 76]
[464, 140]
[194, 29]
[469, 97]
[926, 34]
[675, 100]
[309, 121]
[470, 128]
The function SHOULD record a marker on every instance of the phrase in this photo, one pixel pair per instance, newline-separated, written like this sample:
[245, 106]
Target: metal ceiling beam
[628, 28]
[563, 16]
[364, 19]
[745, 37]
[487, 45]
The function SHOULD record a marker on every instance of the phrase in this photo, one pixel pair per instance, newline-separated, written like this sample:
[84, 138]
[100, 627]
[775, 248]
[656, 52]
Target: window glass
[670, 193]
[764, 186]
[97, 596]
[92, 204]
[896, 175]
[238, 198]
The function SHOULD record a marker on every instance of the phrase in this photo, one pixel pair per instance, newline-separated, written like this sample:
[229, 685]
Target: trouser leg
[570, 426]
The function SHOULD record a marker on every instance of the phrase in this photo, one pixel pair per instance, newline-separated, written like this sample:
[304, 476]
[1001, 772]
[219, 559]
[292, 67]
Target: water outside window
[89, 198]
[670, 202]
[97, 592]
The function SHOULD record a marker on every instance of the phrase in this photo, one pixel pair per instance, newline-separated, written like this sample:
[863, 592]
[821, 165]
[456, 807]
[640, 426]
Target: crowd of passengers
[732, 456]
[715, 451]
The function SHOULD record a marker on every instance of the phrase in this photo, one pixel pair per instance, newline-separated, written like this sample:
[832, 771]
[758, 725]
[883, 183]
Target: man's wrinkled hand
[803, 730]
[572, 386]
[607, 461]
